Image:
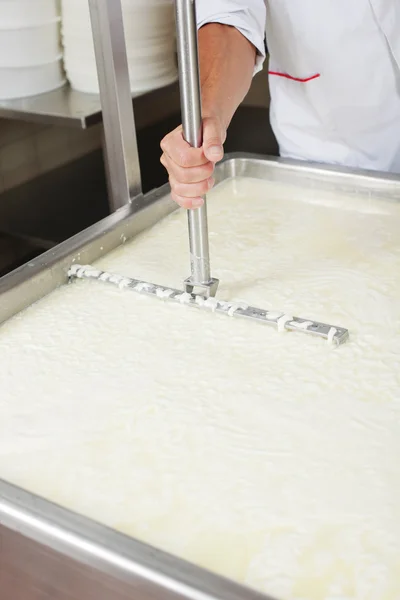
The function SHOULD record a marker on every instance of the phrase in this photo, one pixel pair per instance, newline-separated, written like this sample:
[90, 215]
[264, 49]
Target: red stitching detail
[286, 76]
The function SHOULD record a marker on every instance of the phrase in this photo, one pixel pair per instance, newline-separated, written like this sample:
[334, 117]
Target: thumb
[213, 139]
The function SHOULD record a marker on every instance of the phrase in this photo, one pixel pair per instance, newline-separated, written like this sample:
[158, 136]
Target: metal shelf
[66, 107]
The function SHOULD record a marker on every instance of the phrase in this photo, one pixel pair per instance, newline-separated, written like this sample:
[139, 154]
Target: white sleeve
[248, 16]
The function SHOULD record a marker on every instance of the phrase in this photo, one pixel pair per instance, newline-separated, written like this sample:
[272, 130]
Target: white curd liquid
[271, 458]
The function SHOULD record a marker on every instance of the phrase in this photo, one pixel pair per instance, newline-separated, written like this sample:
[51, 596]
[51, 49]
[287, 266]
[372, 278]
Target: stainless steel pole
[116, 102]
[189, 81]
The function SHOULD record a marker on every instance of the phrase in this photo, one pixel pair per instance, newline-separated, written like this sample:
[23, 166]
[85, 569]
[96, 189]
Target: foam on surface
[268, 457]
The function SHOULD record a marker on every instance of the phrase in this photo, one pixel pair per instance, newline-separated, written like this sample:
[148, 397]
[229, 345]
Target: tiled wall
[28, 150]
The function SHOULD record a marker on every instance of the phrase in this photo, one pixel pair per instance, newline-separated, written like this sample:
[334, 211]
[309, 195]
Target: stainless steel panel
[313, 176]
[47, 552]
[59, 107]
[70, 108]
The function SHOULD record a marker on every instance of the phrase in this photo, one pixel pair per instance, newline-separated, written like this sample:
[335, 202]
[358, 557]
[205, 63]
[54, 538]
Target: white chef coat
[334, 75]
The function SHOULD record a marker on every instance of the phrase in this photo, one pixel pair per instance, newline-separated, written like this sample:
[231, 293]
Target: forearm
[227, 61]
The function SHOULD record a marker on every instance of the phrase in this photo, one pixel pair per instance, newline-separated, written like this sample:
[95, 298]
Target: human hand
[190, 169]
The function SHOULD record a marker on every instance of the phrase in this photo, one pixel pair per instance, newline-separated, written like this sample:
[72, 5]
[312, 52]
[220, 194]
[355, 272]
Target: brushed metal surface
[189, 83]
[47, 552]
[32, 571]
[202, 302]
[69, 108]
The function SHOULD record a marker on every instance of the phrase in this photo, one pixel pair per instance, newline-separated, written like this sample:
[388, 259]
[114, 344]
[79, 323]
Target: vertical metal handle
[116, 101]
[189, 73]
[189, 80]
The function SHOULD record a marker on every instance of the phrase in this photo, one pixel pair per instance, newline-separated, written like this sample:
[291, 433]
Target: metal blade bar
[280, 320]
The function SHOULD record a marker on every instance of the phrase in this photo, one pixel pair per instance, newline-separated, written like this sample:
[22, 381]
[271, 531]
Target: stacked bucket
[150, 40]
[30, 52]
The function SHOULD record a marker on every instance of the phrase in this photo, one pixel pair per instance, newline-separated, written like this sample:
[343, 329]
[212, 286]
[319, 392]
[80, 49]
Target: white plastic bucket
[15, 14]
[88, 82]
[150, 41]
[141, 18]
[29, 46]
[140, 50]
[82, 7]
[30, 81]
[143, 24]
[153, 67]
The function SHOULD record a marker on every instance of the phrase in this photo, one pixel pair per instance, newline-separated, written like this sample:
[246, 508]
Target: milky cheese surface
[271, 458]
